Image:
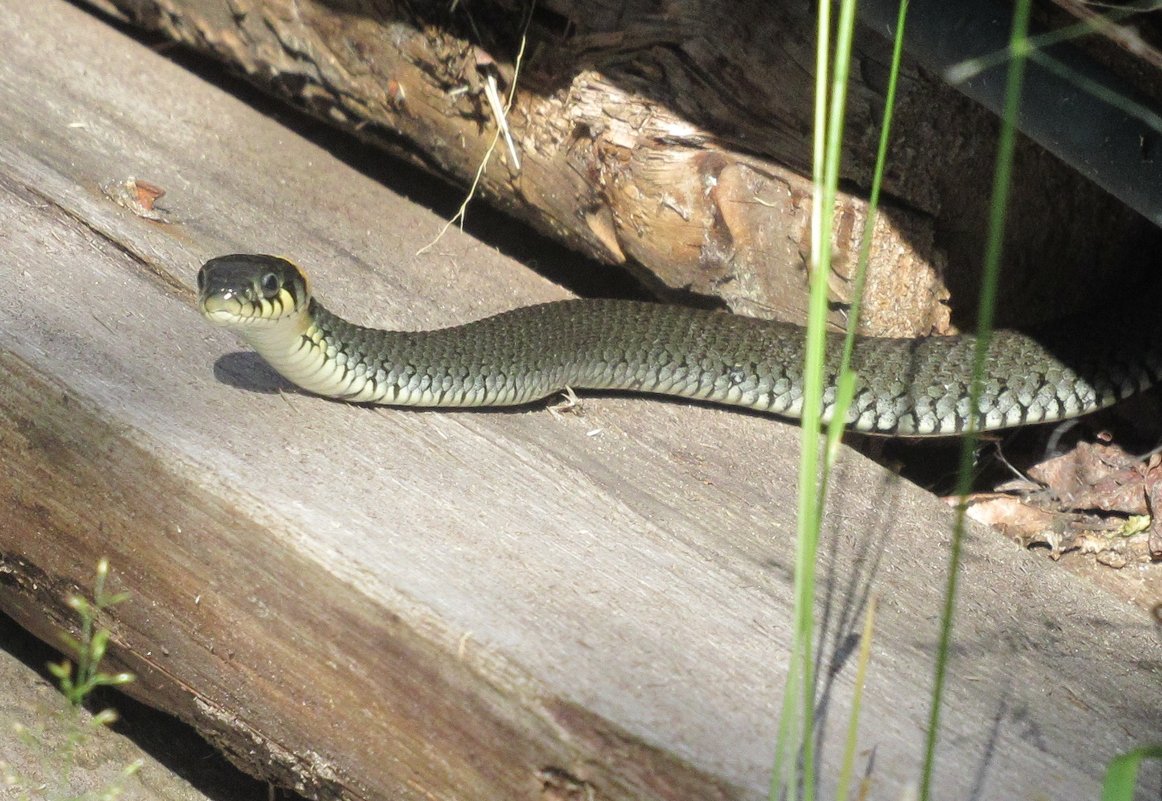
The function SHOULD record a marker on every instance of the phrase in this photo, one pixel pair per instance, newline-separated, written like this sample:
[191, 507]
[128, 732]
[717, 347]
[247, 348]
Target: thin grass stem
[846, 386]
[795, 724]
[975, 66]
[830, 102]
[862, 662]
[1002, 176]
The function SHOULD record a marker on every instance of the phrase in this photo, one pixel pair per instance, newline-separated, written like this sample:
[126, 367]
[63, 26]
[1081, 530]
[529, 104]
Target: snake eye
[270, 285]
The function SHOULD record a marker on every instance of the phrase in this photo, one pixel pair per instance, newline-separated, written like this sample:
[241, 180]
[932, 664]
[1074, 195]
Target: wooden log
[676, 138]
[372, 604]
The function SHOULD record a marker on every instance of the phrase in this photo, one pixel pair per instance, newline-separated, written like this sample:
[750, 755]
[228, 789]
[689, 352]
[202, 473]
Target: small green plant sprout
[89, 649]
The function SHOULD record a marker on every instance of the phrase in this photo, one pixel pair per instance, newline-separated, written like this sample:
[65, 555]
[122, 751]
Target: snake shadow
[248, 371]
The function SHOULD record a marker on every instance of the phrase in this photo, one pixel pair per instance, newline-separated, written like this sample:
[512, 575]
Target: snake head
[244, 291]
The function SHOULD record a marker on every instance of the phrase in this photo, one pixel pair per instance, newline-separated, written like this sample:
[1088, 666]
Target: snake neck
[295, 346]
[324, 354]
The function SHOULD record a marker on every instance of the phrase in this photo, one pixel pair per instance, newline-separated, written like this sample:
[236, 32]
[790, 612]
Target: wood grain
[375, 604]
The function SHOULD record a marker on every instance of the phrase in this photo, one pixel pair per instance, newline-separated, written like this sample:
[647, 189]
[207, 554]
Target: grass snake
[904, 387]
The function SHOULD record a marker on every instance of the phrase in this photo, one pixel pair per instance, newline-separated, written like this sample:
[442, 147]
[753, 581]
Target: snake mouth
[249, 292]
[231, 310]
[223, 310]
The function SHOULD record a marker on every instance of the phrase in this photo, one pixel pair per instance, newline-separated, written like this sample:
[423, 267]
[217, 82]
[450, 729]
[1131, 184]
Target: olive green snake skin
[904, 387]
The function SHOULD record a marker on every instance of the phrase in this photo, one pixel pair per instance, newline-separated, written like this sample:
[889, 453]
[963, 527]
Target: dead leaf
[1097, 499]
[136, 195]
[1094, 476]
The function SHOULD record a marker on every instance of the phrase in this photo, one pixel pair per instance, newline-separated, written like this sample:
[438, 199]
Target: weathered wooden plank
[399, 604]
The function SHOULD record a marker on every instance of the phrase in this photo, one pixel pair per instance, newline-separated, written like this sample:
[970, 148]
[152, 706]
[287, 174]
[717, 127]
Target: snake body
[904, 387]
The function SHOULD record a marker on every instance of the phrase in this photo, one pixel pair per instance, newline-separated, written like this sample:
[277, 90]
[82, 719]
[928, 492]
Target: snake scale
[904, 387]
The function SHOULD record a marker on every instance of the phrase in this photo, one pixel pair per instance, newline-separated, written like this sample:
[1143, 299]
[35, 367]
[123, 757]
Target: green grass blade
[1099, 23]
[846, 386]
[793, 728]
[1000, 194]
[830, 102]
[864, 659]
[1096, 89]
[1122, 773]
